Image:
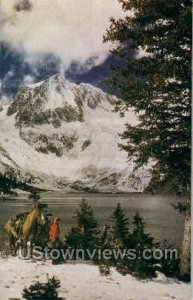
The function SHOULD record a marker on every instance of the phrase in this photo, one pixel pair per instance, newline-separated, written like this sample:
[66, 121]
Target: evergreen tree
[7, 182]
[85, 234]
[119, 230]
[139, 240]
[170, 265]
[74, 238]
[153, 77]
[115, 238]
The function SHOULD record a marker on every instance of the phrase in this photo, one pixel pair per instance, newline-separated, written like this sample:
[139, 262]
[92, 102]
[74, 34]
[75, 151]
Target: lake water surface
[163, 222]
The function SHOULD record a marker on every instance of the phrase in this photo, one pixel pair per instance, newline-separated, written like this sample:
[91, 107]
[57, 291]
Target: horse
[12, 233]
[25, 229]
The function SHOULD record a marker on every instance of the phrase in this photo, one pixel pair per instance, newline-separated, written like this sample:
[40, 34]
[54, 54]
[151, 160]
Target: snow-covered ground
[83, 281]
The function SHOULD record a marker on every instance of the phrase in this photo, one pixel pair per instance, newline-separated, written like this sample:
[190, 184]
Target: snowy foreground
[83, 281]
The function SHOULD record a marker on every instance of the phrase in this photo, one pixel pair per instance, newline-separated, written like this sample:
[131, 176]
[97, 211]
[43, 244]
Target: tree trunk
[186, 246]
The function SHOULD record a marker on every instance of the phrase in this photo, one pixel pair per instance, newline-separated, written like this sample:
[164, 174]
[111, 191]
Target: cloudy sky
[41, 37]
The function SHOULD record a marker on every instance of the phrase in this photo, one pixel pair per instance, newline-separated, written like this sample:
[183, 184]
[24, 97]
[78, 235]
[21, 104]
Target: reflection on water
[163, 222]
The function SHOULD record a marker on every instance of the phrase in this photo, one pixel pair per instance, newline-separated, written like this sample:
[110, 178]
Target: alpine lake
[163, 222]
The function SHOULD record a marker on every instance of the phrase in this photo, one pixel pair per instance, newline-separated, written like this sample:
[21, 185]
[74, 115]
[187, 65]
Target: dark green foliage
[115, 238]
[88, 224]
[120, 238]
[10, 181]
[74, 238]
[140, 240]
[6, 184]
[119, 230]
[169, 265]
[139, 237]
[157, 86]
[43, 291]
[85, 234]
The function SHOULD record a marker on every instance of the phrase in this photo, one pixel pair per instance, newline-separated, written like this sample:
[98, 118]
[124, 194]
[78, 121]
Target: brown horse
[25, 230]
[10, 228]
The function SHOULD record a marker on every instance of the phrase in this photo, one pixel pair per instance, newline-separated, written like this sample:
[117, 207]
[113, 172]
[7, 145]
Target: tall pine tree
[119, 229]
[140, 241]
[153, 77]
[85, 234]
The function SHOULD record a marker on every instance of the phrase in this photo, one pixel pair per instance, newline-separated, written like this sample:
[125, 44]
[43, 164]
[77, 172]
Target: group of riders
[35, 228]
[31, 227]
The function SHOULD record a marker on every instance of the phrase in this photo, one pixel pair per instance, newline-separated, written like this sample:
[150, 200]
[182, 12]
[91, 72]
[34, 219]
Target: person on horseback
[23, 228]
[13, 228]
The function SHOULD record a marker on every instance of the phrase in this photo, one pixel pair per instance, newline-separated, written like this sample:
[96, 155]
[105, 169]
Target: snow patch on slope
[15, 274]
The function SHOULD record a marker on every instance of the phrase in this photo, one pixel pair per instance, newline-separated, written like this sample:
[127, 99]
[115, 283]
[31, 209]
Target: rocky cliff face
[66, 136]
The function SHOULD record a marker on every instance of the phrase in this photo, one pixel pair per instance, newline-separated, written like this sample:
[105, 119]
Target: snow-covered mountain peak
[57, 99]
[67, 135]
[58, 83]
[58, 80]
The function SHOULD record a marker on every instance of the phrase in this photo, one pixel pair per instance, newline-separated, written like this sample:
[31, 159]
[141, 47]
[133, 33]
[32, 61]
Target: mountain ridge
[67, 135]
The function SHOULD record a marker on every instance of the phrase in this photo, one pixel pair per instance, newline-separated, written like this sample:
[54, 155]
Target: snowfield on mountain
[59, 135]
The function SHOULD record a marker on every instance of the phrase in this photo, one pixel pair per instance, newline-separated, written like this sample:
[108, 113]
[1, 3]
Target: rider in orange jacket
[55, 231]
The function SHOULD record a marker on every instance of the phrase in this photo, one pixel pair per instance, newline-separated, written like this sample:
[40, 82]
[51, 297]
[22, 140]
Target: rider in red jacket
[55, 231]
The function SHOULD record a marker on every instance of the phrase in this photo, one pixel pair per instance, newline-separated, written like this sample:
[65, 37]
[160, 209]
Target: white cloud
[28, 79]
[71, 29]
